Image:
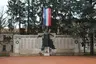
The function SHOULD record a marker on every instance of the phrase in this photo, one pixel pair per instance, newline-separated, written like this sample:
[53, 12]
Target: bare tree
[3, 22]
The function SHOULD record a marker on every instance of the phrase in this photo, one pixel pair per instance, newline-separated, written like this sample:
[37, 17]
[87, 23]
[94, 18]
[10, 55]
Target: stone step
[4, 54]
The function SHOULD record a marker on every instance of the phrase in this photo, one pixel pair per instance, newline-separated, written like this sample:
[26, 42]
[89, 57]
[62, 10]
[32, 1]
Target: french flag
[47, 16]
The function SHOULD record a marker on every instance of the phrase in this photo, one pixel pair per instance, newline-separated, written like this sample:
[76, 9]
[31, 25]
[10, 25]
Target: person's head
[46, 30]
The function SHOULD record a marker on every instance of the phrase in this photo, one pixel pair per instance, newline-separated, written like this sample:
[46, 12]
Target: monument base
[46, 51]
[46, 54]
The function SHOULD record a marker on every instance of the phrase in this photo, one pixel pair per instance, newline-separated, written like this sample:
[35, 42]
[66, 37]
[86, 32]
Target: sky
[3, 4]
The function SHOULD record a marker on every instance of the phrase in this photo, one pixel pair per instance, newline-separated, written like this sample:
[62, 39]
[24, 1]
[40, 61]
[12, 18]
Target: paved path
[48, 60]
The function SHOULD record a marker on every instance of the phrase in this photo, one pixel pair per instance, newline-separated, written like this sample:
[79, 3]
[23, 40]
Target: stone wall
[31, 44]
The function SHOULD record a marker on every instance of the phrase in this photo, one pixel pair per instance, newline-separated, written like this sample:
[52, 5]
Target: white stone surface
[30, 44]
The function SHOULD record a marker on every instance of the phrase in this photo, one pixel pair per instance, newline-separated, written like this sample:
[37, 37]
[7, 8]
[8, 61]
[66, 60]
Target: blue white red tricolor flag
[47, 16]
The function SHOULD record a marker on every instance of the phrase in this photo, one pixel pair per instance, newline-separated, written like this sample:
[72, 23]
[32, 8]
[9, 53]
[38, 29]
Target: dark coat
[47, 42]
[50, 44]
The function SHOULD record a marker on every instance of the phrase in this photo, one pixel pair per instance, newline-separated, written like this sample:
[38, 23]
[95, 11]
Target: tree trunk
[84, 42]
[0, 30]
[28, 27]
[91, 45]
[79, 46]
[19, 27]
[84, 49]
[0, 27]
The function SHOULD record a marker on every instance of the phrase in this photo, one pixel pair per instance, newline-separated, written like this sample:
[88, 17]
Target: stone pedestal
[46, 51]
[46, 54]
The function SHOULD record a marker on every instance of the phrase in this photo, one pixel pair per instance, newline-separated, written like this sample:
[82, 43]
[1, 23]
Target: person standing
[47, 43]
